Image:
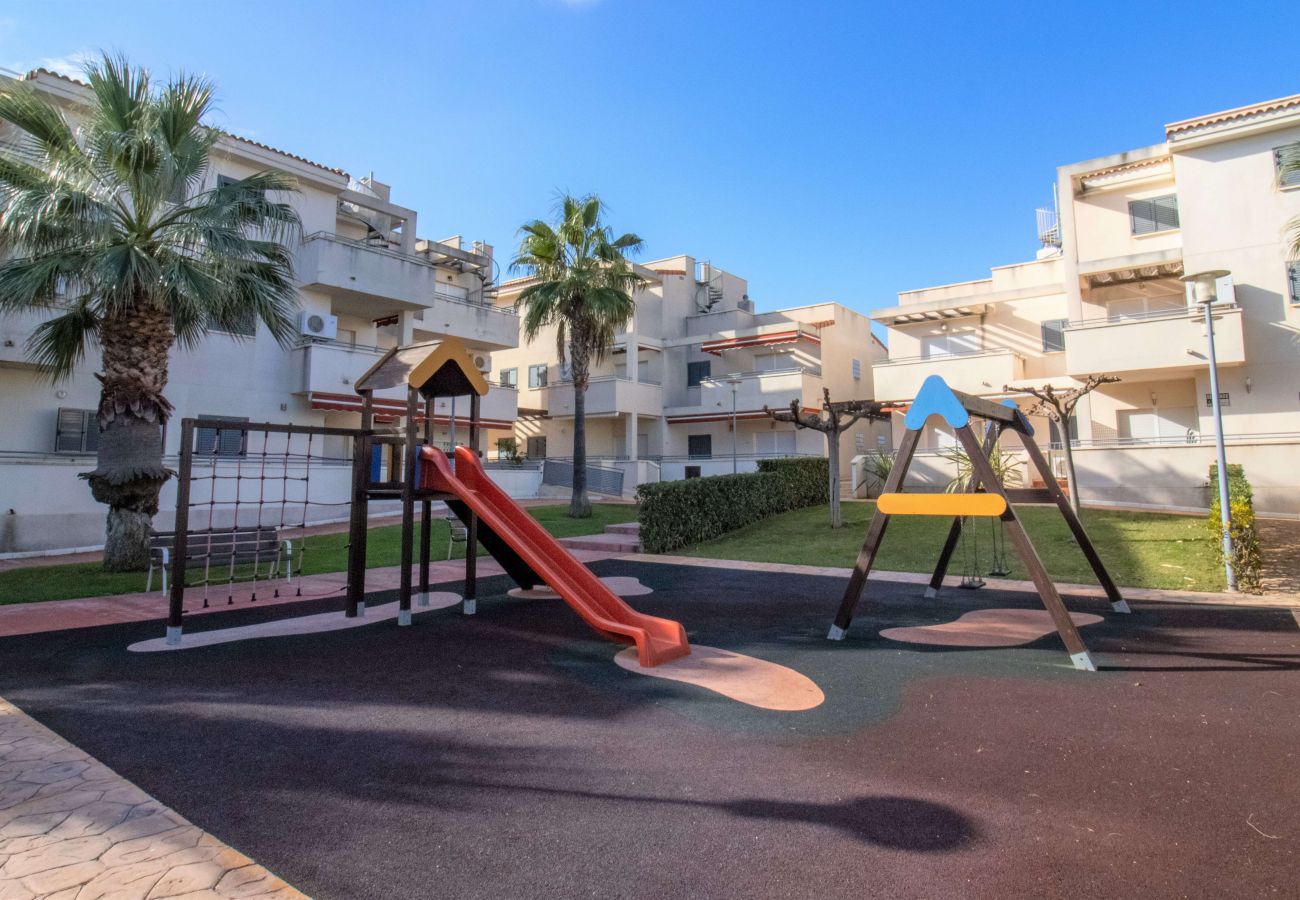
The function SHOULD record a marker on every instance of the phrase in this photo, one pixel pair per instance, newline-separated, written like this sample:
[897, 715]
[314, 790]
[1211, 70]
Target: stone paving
[72, 829]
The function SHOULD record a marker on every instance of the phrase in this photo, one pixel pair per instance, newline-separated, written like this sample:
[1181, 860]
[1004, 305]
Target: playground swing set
[416, 473]
[984, 497]
[420, 473]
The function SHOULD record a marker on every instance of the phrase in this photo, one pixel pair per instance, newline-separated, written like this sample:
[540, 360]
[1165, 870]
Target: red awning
[760, 340]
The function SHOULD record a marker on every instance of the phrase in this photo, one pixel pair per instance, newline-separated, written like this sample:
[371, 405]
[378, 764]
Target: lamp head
[1205, 285]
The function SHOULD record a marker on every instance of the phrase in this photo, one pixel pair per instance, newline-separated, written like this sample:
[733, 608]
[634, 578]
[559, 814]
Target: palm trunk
[580, 504]
[132, 414]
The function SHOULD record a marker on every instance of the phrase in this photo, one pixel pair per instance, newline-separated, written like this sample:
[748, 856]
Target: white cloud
[71, 64]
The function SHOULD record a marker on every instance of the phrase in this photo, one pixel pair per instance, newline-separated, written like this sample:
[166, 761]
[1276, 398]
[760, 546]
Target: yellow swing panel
[941, 504]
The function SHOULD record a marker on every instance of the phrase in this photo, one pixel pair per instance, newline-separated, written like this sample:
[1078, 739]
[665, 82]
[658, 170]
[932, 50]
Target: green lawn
[1139, 549]
[324, 553]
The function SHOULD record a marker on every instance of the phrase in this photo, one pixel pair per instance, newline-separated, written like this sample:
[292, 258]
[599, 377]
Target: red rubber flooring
[506, 755]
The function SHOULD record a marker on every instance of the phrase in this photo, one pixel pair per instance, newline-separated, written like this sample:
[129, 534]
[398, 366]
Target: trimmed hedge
[674, 514]
[1247, 560]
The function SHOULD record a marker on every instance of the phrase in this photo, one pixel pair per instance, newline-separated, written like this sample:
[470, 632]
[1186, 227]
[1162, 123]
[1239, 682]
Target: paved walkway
[73, 829]
[58, 615]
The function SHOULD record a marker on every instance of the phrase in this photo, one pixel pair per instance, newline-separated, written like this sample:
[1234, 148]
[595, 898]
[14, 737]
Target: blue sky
[825, 151]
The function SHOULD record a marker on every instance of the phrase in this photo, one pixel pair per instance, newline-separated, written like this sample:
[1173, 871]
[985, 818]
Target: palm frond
[58, 345]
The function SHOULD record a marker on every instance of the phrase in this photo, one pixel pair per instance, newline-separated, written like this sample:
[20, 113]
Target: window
[697, 372]
[1146, 306]
[1156, 214]
[537, 447]
[227, 181]
[537, 376]
[857, 370]
[1287, 160]
[1293, 279]
[510, 378]
[221, 441]
[1054, 335]
[774, 443]
[506, 448]
[699, 446]
[76, 431]
[692, 471]
[1054, 431]
[774, 362]
[1157, 424]
[243, 325]
[950, 344]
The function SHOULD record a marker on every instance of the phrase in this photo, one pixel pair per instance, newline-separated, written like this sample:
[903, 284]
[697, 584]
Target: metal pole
[1225, 509]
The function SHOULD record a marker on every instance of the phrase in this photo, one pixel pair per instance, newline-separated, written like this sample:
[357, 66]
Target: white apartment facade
[367, 283]
[1105, 296]
[660, 405]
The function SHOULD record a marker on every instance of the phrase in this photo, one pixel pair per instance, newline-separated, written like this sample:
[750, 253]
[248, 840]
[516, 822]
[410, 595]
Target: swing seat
[975, 504]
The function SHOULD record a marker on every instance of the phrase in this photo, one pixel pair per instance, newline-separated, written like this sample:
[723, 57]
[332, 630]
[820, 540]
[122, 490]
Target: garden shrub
[1246, 558]
[674, 514]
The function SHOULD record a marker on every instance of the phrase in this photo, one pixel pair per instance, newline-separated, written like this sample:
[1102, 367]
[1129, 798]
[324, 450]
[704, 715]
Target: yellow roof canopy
[434, 368]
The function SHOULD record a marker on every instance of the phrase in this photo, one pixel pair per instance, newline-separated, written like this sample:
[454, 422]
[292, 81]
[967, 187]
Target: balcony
[369, 281]
[1157, 345]
[754, 391]
[978, 372]
[607, 395]
[329, 370]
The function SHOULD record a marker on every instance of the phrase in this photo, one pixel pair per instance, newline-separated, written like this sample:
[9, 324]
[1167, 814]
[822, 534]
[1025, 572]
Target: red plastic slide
[657, 640]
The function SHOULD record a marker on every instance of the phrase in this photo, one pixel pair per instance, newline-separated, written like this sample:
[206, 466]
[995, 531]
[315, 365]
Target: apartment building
[695, 358]
[368, 282]
[1104, 295]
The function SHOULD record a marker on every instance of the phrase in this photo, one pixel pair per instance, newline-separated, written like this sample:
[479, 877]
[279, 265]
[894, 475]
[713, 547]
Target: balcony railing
[1171, 313]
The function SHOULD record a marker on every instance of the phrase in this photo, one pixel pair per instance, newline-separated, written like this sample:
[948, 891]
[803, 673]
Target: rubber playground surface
[508, 755]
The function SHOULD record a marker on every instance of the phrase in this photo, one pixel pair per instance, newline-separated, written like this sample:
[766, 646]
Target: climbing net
[259, 497]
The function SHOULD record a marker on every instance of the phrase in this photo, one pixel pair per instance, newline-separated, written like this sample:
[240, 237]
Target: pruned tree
[832, 421]
[1058, 405]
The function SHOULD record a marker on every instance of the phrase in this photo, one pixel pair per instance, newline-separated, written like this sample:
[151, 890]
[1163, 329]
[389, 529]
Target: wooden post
[1038, 574]
[426, 514]
[470, 603]
[356, 590]
[1116, 599]
[875, 534]
[408, 510]
[180, 546]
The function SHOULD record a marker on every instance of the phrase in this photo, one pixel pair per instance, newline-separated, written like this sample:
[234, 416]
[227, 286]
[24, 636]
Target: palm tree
[1290, 167]
[584, 288]
[112, 226]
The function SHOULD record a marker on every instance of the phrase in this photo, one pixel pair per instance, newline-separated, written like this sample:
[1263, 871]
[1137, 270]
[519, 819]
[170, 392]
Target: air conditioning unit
[484, 362]
[320, 326]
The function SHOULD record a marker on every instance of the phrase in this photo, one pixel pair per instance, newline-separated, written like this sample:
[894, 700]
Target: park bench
[221, 547]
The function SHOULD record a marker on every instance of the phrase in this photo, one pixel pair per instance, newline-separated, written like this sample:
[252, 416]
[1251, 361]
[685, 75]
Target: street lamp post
[1205, 292]
[734, 381]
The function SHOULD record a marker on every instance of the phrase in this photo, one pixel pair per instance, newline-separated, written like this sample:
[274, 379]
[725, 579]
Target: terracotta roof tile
[301, 159]
[1229, 115]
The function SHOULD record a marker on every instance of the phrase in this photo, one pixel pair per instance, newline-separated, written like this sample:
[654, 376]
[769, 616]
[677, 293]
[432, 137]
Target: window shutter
[70, 431]
[1053, 335]
[1293, 276]
[1287, 160]
[1166, 212]
[1142, 215]
[231, 442]
[697, 372]
[857, 370]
